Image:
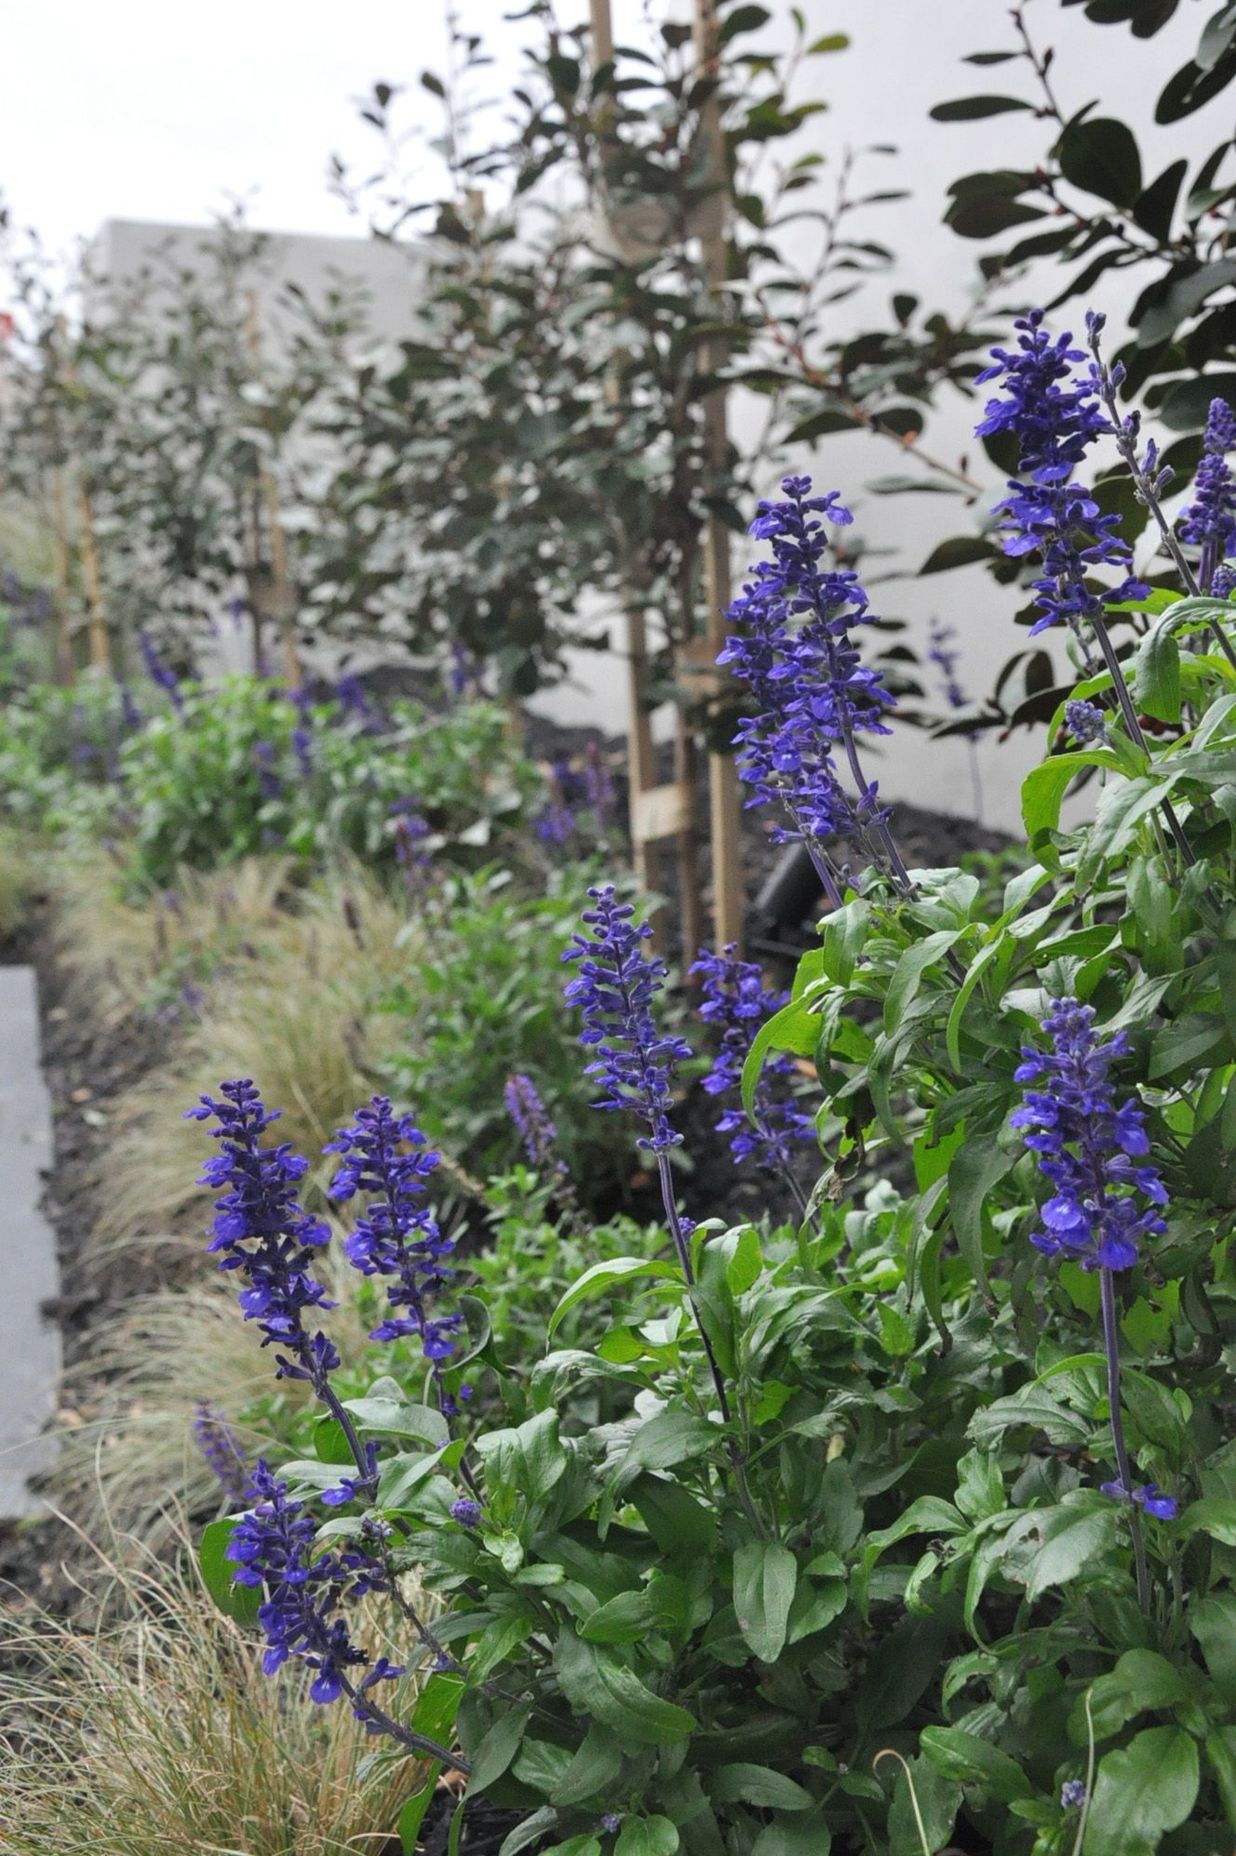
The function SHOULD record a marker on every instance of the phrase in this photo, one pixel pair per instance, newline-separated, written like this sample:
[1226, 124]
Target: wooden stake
[66, 670]
[100, 643]
[282, 596]
[722, 777]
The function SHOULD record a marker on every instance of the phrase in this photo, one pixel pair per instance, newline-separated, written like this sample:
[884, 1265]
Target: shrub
[240, 769]
[481, 998]
[897, 1482]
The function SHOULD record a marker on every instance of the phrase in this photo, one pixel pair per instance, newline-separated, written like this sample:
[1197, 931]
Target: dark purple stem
[1124, 1471]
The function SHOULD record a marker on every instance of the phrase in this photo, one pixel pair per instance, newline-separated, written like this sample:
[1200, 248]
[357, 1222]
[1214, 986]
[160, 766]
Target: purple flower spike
[273, 1547]
[941, 652]
[1088, 1148]
[221, 1448]
[1209, 521]
[615, 988]
[261, 1229]
[792, 646]
[533, 1123]
[384, 1157]
[735, 999]
[1055, 417]
[1085, 721]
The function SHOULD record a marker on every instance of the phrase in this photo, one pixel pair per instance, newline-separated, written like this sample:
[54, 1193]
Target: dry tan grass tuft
[130, 1453]
[156, 1734]
[118, 954]
[303, 1018]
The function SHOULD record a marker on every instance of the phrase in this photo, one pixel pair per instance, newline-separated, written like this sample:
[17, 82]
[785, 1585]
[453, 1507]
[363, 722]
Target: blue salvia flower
[615, 988]
[1055, 417]
[272, 1546]
[598, 786]
[736, 1001]
[265, 758]
[412, 833]
[302, 734]
[1091, 1149]
[160, 673]
[130, 714]
[385, 1157]
[1073, 1794]
[792, 646]
[221, 1448]
[261, 1229]
[1162, 1507]
[941, 653]
[1088, 1148]
[1084, 720]
[1209, 521]
[534, 1125]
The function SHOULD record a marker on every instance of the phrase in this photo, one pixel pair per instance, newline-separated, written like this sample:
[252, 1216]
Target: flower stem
[1124, 1472]
[1134, 728]
[683, 1249]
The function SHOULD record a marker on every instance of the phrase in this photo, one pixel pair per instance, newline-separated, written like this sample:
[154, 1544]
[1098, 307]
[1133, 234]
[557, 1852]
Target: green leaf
[1155, 208]
[823, 424]
[1074, 1538]
[794, 1028]
[1156, 675]
[1100, 155]
[647, 1836]
[497, 1747]
[757, 1785]
[666, 1439]
[1029, 1406]
[909, 972]
[594, 1767]
[1142, 1790]
[971, 109]
[742, 19]
[975, 1168]
[971, 1760]
[238, 1602]
[396, 1418]
[412, 1816]
[1212, 1621]
[980, 1485]
[604, 1276]
[958, 551]
[1045, 786]
[765, 1576]
[794, 1836]
[1221, 1752]
[601, 1688]
[1213, 1515]
[680, 1525]
[1143, 1682]
[1185, 406]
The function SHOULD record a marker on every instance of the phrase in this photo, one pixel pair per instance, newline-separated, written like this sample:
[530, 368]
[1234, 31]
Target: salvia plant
[909, 1523]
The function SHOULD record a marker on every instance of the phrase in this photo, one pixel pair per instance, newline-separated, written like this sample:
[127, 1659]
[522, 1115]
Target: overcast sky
[143, 109]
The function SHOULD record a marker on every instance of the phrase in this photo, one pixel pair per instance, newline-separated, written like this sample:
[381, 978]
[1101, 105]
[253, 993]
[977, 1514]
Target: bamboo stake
[722, 776]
